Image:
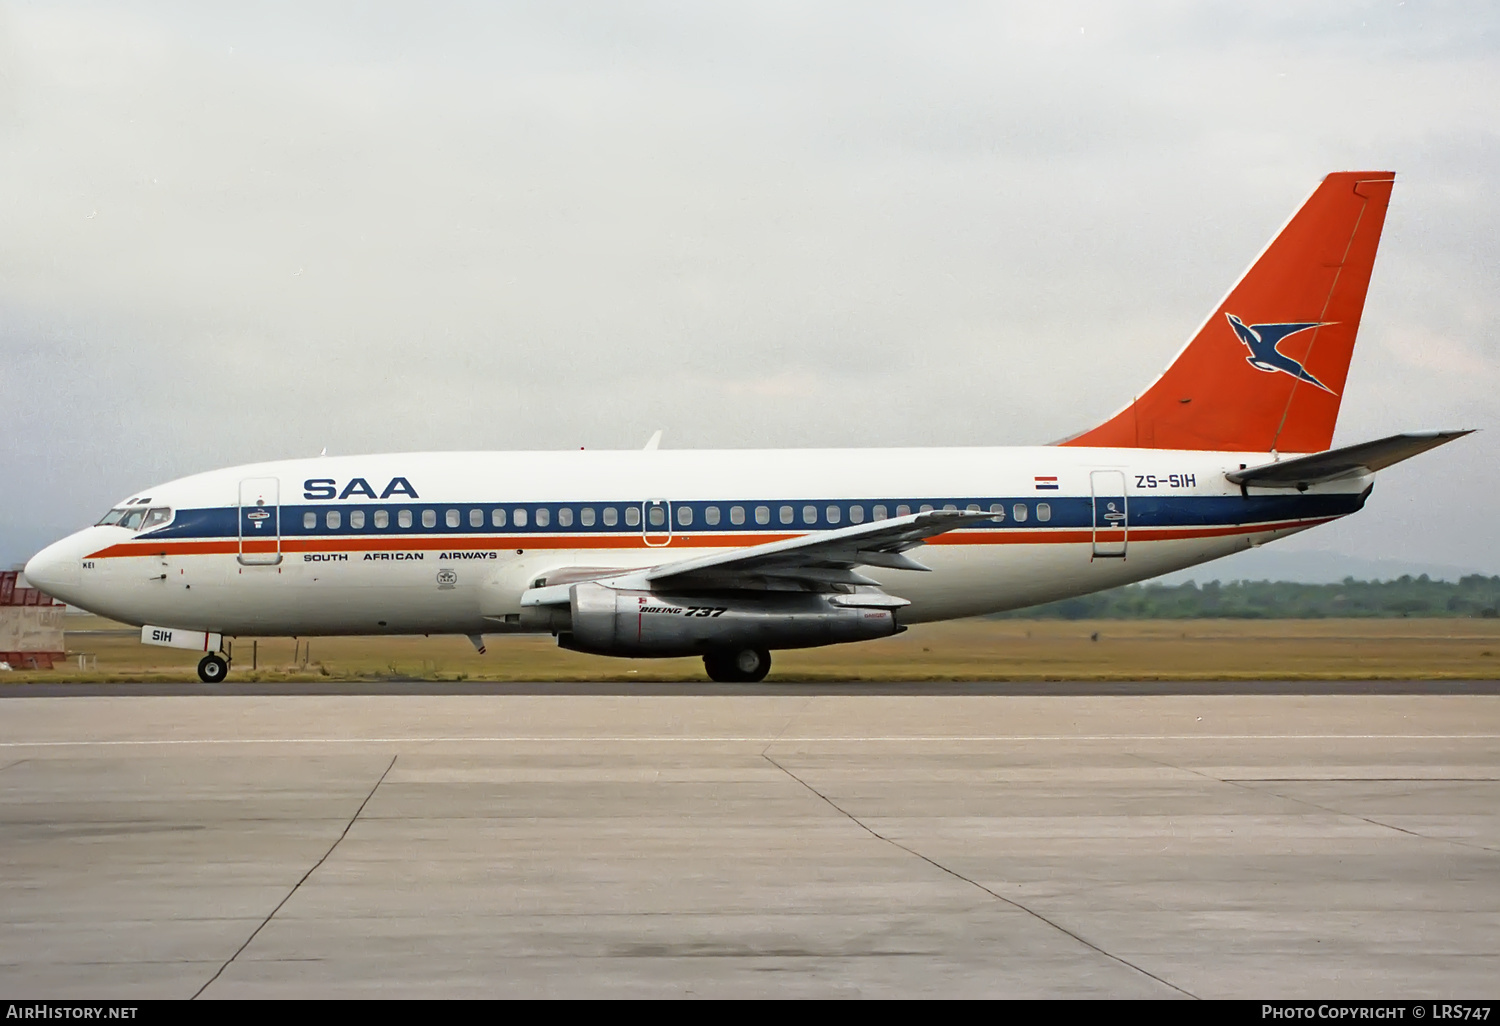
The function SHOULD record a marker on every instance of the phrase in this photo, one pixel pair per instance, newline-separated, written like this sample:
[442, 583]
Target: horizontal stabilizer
[1364, 458]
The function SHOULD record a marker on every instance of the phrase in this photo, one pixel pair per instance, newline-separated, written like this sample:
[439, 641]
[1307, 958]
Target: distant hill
[1474, 595]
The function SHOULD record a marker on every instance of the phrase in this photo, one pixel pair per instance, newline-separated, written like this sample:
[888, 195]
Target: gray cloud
[229, 235]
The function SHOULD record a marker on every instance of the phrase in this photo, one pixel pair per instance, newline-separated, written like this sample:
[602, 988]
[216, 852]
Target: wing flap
[879, 543]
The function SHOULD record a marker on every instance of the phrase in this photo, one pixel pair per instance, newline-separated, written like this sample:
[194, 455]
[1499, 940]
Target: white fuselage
[448, 542]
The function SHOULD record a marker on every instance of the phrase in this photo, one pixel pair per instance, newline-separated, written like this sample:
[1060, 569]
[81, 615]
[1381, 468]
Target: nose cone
[55, 570]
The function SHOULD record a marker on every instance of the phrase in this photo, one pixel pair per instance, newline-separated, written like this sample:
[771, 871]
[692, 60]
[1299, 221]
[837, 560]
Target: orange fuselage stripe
[429, 543]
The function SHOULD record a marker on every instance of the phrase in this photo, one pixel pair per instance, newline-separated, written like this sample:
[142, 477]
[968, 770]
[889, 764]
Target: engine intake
[616, 622]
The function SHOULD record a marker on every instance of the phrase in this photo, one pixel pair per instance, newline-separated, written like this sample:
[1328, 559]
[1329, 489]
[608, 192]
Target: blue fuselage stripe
[1144, 511]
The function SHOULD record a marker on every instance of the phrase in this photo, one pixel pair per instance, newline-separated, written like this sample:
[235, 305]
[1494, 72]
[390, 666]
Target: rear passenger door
[1111, 514]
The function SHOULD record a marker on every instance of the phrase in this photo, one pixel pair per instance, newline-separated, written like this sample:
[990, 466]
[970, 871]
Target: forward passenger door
[260, 521]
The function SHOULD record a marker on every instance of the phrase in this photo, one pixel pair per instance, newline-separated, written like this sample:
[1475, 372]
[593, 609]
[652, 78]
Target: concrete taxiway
[821, 843]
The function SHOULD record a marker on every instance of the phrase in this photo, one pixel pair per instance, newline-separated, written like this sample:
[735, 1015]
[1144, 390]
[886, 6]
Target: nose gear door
[260, 521]
[1111, 514]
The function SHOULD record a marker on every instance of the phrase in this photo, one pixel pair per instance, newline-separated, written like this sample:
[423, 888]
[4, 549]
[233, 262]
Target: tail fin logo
[1262, 340]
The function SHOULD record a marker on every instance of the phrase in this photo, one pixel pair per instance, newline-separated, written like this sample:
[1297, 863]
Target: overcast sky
[231, 233]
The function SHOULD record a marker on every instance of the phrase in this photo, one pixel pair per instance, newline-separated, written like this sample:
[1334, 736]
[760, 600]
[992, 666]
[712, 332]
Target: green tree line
[1475, 595]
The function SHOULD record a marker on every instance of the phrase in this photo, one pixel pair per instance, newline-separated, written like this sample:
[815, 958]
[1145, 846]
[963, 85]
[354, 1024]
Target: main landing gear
[738, 666]
[212, 668]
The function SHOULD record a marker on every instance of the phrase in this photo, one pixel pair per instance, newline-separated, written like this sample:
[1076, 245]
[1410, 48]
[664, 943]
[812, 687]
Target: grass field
[962, 650]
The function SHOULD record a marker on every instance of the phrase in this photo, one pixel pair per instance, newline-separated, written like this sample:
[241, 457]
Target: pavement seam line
[342, 834]
[1243, 785]
[1363, 819]
[976, 884]
[788, 726]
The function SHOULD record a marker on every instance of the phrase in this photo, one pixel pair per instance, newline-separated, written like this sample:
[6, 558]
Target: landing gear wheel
[212, 669]
[738, 666]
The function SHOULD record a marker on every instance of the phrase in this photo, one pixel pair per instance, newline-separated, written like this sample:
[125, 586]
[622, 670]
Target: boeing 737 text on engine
[731, 555]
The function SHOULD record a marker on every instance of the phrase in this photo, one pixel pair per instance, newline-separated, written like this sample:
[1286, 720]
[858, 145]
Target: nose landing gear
[212, 668]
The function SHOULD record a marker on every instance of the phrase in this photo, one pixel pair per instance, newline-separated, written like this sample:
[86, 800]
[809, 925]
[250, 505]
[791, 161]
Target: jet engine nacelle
[615, 622]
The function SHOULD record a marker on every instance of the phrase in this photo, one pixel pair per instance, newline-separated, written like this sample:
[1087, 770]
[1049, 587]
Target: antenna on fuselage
[654, 442]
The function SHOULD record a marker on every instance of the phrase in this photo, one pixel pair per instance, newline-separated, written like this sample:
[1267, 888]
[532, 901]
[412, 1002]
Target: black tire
[212, 669]
[719, 668]
[738, 666]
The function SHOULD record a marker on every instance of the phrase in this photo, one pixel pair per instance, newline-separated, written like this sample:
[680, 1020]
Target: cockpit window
[112, 517]
[156, 517]
[132, 519]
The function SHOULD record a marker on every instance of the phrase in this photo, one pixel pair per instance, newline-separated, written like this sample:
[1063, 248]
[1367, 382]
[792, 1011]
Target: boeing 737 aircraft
[730, 555]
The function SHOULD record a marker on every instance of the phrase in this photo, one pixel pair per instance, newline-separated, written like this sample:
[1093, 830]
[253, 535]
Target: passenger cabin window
[309, 520]
[403, 518]
[156, 518]
[949, 507]
[657, 516]
[565, 516]
[382, 518]
[543, 517]
[520, 518]
[972, 507]
[429, 518]
[879, 513]
[333, 519]
[450, 518]
[786, 514]
[762, 514]
[833, 514]
[856, 514]
[497, 518]
[632, 516]
[611, 516]
[476, 518]
[356, 519]
[736, 514]
[586, 516]
[926, 508]
[903, 510]
[809, 514]
[1019, 512]
[998, 508]
[711, 516]
[685, 516]
[1043, 511]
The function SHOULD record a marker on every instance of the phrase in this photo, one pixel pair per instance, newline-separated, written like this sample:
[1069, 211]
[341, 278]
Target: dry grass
[962, 650]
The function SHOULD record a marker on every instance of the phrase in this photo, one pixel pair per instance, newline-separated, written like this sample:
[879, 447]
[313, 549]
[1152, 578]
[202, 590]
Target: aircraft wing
[1363, 458]
[811, 556]
[822, 557]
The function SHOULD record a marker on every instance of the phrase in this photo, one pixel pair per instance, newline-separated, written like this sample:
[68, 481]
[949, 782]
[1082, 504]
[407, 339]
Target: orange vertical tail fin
[1267, 369]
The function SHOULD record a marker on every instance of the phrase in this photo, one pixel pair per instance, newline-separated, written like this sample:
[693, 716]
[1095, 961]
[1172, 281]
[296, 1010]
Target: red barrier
[11, 594]
[30, 660]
